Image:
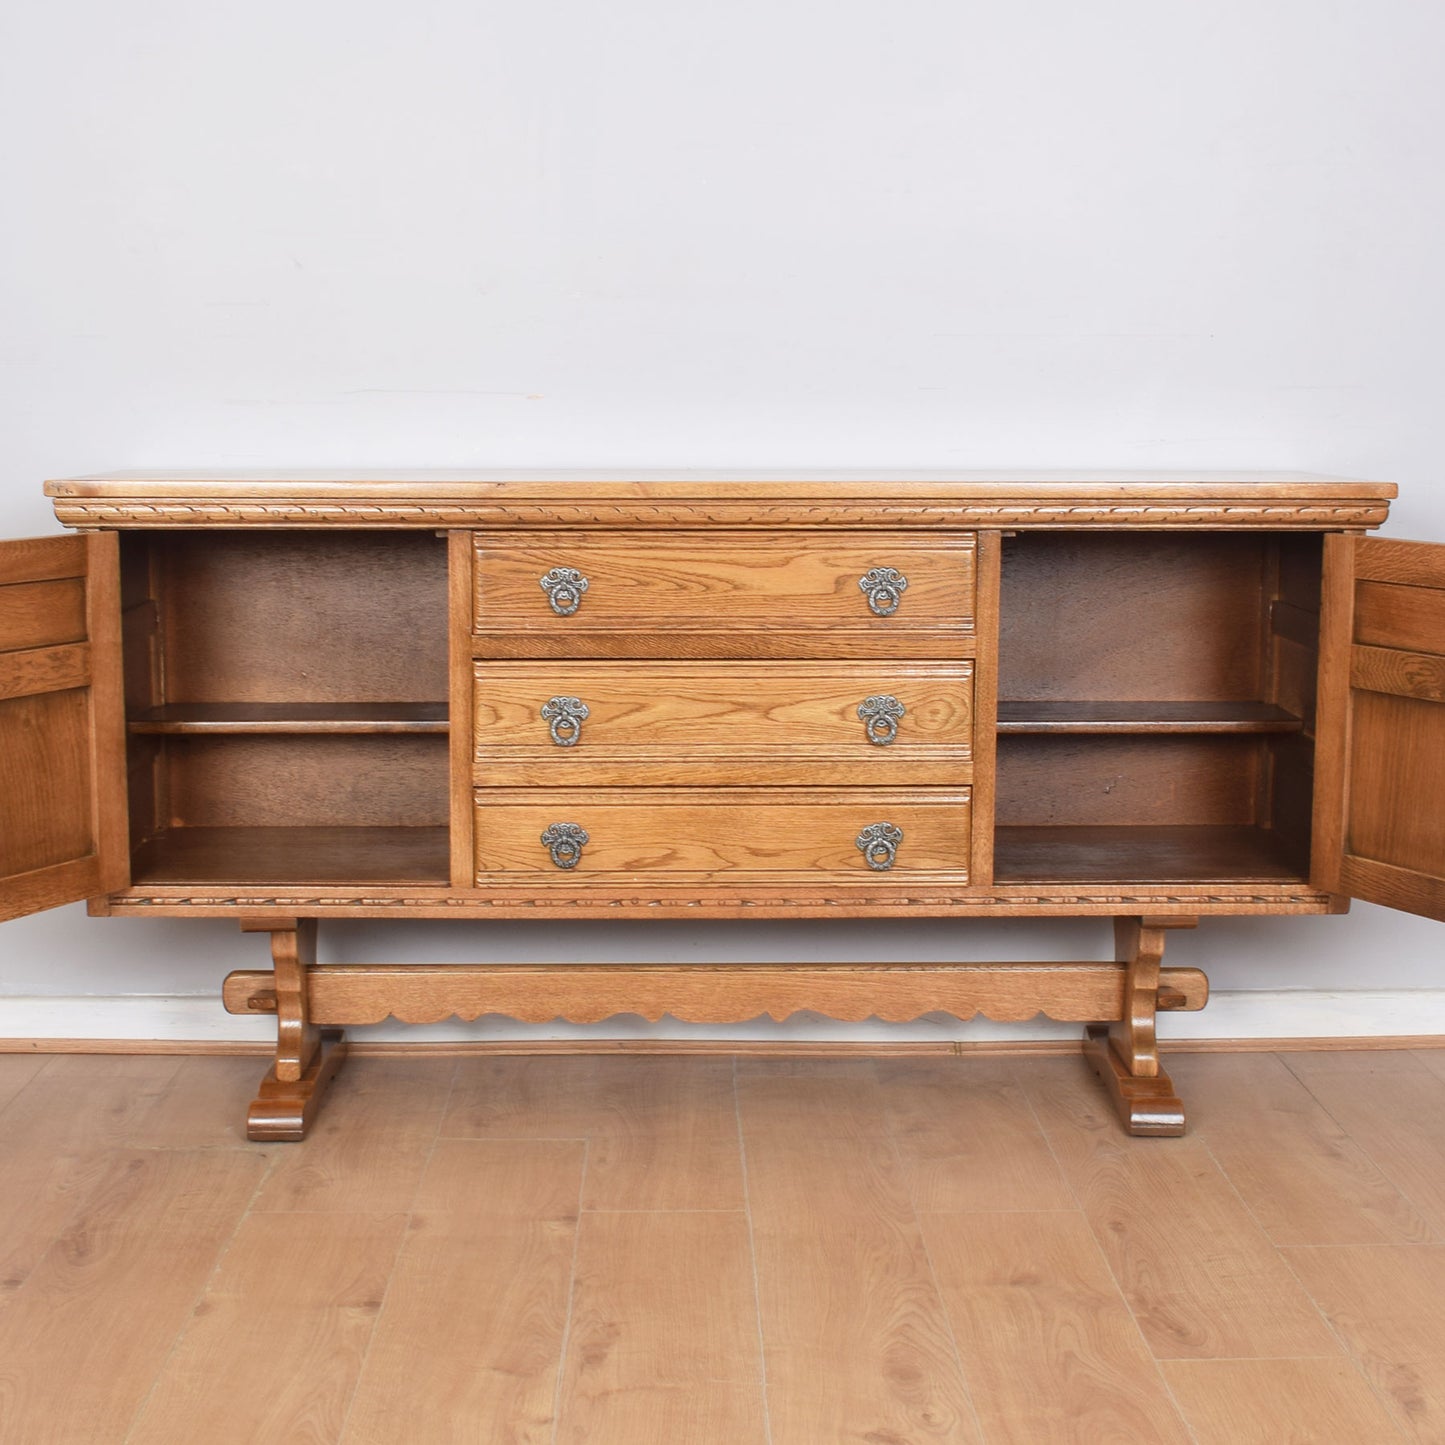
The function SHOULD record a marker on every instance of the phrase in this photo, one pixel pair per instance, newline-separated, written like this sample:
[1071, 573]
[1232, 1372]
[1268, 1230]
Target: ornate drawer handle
[566, 716]
[884, 586]
[878, 843]
[880, 715]
[564, 841]
[564, 587]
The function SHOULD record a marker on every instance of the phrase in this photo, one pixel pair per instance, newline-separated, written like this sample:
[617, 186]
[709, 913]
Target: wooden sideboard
[290, 698]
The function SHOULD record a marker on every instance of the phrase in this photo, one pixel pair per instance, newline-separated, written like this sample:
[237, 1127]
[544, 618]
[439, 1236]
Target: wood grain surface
[660, 1136]
[1267, 1402]
[856, 1337]
[1385, 1305]
[1123, 854]
[678, 831]
[343, 995]
[97, 1318]
[42, 614]
[727, 583]
[490, 1252]
[236, 856]
[1160, 781]
[1027, 1308]
[1203, 1279]
[62, 745]
[663, 1340]
[1405, 1142]
[715, 721]
[1292, 1162]
[291, 717]
[1190, 608]
[857, 498]
[333, 617]
[1382, 726]
[978, 1150]
[303, 1287]
[844, 1280]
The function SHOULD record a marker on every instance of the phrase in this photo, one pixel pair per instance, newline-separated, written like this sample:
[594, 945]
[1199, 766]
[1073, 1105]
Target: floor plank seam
[594, 1210]
[907, 1179]
[1103, 1254]
[929, 1135]
[1365, 1149]
[1371, 1244]
[571, 1295]
[1026, 1094]
[752, 1256]
[219, 1261]
[27, 1085]
[1387, 1403]
[1224, 1174]
[964, 1213]
[402, 1241]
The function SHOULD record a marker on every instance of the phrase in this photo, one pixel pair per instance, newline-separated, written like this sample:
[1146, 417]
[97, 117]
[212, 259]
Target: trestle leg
[306, 1056]
[1125, 1053]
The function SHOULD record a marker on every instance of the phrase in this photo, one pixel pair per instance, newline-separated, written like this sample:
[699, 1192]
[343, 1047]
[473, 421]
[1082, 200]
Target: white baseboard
[1241, 1015]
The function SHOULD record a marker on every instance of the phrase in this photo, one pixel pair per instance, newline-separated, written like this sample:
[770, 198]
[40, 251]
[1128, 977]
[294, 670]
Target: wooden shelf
[1145, 717]
[1125, 855]
[221, 856]
[292, 717]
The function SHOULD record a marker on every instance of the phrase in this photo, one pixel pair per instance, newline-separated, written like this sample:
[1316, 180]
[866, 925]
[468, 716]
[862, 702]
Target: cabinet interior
[287, 716]
[286, 706]
[1156, 713]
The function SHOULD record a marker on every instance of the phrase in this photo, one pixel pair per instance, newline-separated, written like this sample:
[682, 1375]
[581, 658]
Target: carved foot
[284, 1110]
[1148, 1106]
[1125, 1053]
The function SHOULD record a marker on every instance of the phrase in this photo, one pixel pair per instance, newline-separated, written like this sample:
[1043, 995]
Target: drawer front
[619, 722]
[607, 834]
[723, 594]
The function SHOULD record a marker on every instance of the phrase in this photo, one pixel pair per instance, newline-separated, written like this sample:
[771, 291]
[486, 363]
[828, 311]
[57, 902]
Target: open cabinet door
[1380, 768]
[62, 723]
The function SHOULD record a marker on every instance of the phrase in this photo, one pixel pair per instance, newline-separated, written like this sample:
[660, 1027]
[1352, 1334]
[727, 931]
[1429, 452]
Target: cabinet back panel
[1289, 796]
[1127, 781]
[1301, 570]
[306, 782]
[302, 616]
[1148, 617]
[1296, 672]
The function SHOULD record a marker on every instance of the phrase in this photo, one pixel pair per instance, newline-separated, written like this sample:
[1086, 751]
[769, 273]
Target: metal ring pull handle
[565, 841]
[878, 843]
[565, 715]
[880, 715]
[884, 587]
[564, 587]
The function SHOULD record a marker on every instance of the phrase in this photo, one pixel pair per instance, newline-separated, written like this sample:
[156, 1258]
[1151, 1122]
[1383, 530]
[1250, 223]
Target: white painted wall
[925, 233]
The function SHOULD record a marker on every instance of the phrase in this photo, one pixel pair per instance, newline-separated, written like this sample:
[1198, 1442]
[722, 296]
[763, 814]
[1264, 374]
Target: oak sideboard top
[687, 497]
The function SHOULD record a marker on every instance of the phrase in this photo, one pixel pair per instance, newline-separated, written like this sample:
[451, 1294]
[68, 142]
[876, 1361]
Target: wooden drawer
[726, 594]
[777, 833]
[722, 723]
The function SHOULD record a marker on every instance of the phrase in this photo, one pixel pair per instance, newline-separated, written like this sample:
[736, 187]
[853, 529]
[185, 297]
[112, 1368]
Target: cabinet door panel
[62, 730]
[1380, 804]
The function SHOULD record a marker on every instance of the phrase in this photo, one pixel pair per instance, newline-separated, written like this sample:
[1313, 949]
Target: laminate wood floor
[713, 1251]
